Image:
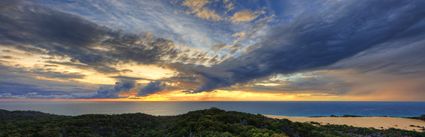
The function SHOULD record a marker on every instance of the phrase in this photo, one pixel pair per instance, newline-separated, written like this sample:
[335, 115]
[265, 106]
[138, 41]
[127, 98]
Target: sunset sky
[213, 50]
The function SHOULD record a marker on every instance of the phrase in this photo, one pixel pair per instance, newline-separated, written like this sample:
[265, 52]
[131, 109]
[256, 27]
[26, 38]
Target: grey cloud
[40, 72]
[326, 84]
[19, 89]
[317, 40]
[311, 82]
[99, 68]
[397, 58]
[51, 74]
[124, 85]
[151, 87]
[21, 83]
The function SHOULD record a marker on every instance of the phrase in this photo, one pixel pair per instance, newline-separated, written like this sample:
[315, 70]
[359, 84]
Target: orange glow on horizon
[218, 95]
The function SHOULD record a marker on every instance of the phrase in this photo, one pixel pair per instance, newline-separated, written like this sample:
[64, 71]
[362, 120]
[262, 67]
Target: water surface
[399, 109]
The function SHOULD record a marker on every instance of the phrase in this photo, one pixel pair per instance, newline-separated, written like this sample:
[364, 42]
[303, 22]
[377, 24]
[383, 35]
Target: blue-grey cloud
[124, 85]
[320, 82]
[151, 87]
[317, 40]
[60, 75]
[22, 83]
[398, 58]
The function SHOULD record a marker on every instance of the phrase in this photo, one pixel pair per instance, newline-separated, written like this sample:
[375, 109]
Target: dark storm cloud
[318, 40]
[35, 28]
[151, 87]
[123, 85]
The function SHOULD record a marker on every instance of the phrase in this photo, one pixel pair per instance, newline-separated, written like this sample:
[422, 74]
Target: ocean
[397, 109]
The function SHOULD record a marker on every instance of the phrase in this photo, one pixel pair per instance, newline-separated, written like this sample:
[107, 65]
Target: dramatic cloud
[158, 49]
[151, 87]
[37, 29]
[58, 36]
[317, 40]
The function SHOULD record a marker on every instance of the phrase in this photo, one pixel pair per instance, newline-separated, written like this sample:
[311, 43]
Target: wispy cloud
[198, 8]
[243, 16]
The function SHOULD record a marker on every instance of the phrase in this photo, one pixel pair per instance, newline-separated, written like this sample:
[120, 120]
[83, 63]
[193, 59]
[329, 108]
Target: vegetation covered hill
[421, 117]
[203, 123]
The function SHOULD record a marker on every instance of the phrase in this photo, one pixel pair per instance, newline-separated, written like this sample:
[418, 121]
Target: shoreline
[377, 122]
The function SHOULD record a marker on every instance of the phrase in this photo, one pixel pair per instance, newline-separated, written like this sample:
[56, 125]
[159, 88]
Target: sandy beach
[373, 122]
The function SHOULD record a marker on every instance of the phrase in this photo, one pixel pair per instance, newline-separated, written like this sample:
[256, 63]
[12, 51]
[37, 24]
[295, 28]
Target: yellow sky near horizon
[222, 95]
[388, 90]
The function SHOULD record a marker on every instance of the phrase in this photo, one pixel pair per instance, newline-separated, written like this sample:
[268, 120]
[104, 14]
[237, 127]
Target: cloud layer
[316, 40]
[151, 87]
[37, 29]
[123, 49]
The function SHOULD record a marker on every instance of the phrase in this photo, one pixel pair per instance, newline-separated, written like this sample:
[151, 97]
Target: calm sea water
[400, 109]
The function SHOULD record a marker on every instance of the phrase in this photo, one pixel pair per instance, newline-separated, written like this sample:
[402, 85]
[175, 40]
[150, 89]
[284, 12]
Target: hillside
[203, 123]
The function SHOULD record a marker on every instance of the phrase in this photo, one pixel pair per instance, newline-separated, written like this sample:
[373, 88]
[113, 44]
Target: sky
[212, 50]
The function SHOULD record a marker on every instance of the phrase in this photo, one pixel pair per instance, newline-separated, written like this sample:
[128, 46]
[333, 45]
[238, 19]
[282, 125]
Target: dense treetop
[203, 123]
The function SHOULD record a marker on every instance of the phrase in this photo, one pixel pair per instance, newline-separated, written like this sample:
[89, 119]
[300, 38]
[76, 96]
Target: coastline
[367, 122]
